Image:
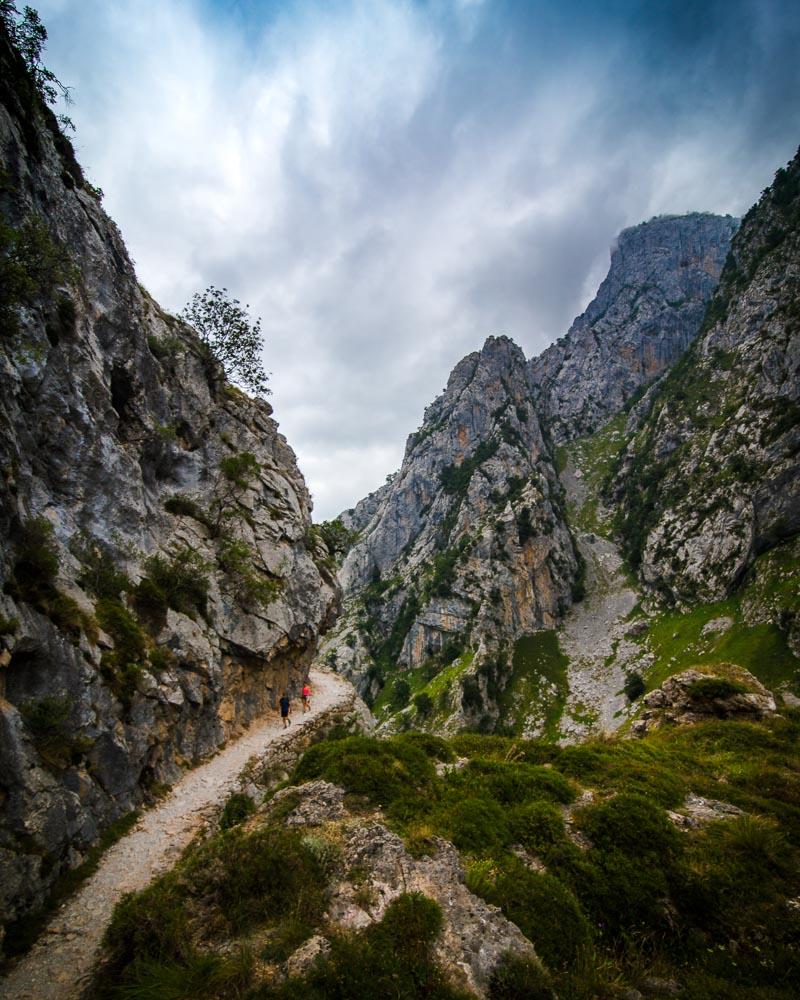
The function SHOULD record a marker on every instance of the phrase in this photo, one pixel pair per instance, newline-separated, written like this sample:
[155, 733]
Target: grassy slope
[771, 591]
[705, 907]
[759, 609]
[424, 680]
[538, 684]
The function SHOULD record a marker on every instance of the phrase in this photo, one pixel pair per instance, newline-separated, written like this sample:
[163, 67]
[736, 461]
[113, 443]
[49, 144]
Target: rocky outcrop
[467, 544]
[159, 591]
[711, 476]
[476, 936]
[644, 316]
[692, 696]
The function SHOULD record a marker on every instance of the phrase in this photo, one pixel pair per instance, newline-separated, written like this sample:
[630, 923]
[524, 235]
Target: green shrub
[423, 703]
[473, 824]
[401, 693]
[337, 537]
[734, 876]
[645, 767]
[286, 938]
[34, 573]
[381, 770]
[240, 469]
[634, 686]
[250, 585]
[621, 894]
[432, 746]
[546, 912]
[179, 582]
[455, 478]
[519, 977]
[8, 626]
[36, 563]
[198, 975]
[512, 782]
[392, 958]
[632, 825]
[184, 506]
[538, 826]
[161, 658]
[31, 265]
[65, 613]
[47, 720]
[100, 574]
[123, 665]
[525, 528]
[713, 688]
[238, 807]
[238, 878]
[165, 347]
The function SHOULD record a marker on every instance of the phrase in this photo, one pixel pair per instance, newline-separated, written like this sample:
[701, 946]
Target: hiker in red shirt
[306, 695]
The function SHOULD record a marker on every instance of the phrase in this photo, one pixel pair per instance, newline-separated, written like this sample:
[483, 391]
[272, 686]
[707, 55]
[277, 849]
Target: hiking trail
[58, 966]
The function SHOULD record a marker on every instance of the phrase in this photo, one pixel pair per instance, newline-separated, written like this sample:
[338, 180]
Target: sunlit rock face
[645, 314]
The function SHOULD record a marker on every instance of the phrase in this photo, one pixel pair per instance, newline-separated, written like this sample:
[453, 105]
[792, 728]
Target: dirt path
[57, 966]
[593, 632]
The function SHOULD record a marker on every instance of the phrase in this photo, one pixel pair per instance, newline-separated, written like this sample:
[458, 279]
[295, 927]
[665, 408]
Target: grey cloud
[388, 183]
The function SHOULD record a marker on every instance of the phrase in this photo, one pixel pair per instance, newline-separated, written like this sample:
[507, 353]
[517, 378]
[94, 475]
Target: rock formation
[692, 696]
[161, 583]
[466, 545]
[644, 316]
[711, 477]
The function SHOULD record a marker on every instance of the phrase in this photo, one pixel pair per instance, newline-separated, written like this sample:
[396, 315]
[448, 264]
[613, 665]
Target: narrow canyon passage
[57, 966]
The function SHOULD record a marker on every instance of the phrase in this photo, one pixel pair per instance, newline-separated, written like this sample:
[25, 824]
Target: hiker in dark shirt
[284, 703]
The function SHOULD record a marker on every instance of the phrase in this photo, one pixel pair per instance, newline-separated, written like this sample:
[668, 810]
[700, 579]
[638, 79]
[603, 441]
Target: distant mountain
[644, 316]
[466, 547]
[711, 477]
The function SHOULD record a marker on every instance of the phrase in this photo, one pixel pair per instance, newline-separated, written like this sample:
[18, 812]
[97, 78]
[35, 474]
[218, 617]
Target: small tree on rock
[225, 327]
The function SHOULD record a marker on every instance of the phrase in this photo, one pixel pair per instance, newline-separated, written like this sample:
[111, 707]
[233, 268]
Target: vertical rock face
[467, 543]
[120, 441]
[645, 314]
[711, 477]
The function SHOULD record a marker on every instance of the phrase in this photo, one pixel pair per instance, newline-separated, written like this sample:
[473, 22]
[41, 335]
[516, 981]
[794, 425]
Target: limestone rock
[475, 935]
[467, 544]
[697, 812]
[314, 803]
[110, 407]
[645, 314]
[682, 701]
[711, 476]
[301, 961]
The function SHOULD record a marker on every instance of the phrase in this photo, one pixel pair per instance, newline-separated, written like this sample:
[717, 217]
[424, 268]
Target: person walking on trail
[306, 696]
[284, 704]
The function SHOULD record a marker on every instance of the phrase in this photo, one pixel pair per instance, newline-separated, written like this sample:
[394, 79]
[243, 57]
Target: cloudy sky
[387, 182]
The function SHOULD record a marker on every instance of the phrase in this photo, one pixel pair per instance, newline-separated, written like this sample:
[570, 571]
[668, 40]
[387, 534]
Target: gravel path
[58, 965]
[593, 634]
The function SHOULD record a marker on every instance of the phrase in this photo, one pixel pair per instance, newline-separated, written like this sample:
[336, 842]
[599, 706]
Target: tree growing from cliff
[28, 35]
[225, 327]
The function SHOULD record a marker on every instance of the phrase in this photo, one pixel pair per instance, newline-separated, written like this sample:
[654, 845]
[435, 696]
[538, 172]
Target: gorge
[574, 612]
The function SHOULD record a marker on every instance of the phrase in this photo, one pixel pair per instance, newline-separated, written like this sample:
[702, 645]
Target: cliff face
[645, 314]
[711, 477]
[466, 546]
[161, 584]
